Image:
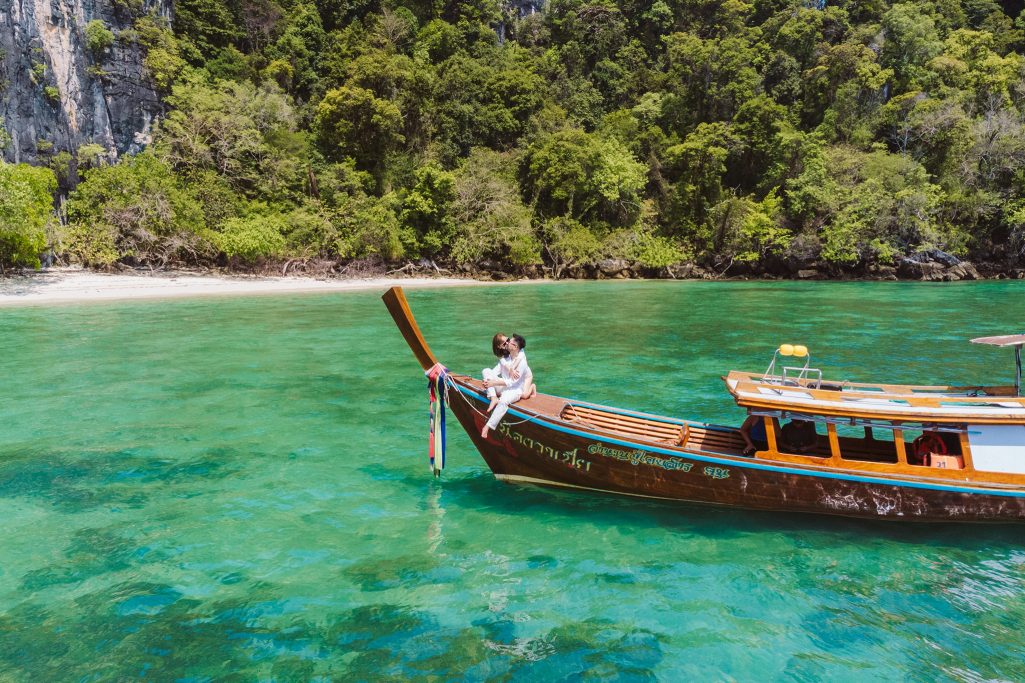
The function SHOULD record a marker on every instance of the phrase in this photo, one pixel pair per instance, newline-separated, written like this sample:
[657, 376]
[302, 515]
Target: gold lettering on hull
[639, 457]
[568, 458]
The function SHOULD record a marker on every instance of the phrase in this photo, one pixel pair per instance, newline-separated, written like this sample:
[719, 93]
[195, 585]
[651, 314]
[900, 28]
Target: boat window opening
[863, 443]
[821, 448]
[933, 448]
[800, 435]
[868, 433]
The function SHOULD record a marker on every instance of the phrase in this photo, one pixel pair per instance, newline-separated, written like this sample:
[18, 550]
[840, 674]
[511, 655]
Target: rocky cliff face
[57, 94]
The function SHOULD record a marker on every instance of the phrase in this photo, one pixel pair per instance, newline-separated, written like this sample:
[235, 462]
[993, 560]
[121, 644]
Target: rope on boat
[576, 416]
[449, 382]
[438, 384]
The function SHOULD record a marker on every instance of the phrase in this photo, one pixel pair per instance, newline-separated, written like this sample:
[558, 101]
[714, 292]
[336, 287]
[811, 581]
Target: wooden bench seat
[715, 440]
[629, 426]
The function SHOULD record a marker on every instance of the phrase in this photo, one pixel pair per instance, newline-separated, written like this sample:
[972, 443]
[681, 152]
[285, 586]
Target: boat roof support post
[1015, 340]
[1017, 370]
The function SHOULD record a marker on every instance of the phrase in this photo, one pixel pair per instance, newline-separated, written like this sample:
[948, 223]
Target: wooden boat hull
[535, 444]
[532, 450]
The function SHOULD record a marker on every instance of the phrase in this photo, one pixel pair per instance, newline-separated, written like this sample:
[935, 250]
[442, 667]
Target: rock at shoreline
[962, 271]
[616, 268]
[934, 265]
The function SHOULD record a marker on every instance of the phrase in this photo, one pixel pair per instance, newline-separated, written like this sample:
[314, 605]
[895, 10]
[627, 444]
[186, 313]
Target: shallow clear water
[238, 489]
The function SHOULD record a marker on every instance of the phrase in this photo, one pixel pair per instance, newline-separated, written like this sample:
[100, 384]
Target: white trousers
[505, 397]
[489, 373]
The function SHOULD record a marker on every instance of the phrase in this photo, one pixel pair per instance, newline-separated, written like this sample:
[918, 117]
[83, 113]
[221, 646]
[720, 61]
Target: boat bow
[397, 305]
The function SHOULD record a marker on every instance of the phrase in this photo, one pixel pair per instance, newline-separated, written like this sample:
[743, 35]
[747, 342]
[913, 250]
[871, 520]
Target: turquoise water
[237, 489]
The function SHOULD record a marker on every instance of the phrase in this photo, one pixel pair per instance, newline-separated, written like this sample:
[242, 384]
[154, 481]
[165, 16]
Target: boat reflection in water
[885, 451]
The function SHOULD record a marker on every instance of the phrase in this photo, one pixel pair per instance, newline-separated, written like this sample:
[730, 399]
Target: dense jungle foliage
[729, 133]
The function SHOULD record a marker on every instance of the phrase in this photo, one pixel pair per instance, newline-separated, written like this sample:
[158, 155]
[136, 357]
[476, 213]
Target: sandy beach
[71, 285]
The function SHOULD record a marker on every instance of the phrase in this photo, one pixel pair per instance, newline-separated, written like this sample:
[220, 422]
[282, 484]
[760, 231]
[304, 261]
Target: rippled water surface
[238, 489]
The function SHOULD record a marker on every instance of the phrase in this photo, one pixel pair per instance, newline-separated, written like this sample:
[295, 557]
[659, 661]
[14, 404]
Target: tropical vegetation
[737, 135]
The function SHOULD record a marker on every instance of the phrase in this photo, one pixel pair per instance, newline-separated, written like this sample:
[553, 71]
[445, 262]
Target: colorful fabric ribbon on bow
[436, 377]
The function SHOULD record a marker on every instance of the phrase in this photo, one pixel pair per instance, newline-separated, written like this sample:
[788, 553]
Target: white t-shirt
[511, 365]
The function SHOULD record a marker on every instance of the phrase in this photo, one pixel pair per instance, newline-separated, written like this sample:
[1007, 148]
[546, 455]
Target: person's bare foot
[484, 432]
[494, 402]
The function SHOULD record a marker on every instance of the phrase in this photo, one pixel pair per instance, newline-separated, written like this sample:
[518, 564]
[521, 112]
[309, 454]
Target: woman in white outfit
[506, 369]
[501, 369]
[514, 379]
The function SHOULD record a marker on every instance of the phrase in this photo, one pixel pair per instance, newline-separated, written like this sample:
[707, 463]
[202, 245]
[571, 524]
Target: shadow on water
[140, 629]
[91, 552]
[77, 481]
[484, 491]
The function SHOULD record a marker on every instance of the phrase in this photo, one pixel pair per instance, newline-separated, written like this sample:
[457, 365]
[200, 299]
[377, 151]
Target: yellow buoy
[786, 349]
[800, 350]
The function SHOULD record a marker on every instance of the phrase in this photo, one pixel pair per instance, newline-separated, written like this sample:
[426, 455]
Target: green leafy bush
[368, 227]
[26, 210]
[426, 216]
[98, 38]
[163, 60]
[569, 243]
[492, 221]
[252, 238]
[135, 211]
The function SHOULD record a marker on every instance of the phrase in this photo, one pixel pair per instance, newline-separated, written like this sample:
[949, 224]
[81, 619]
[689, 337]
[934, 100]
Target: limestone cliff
[57, 94]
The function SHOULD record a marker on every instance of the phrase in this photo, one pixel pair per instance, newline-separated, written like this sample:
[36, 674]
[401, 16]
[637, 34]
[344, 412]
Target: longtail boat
[882, 451]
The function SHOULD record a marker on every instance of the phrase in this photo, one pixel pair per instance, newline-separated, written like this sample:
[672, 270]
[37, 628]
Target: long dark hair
[498, 345]
[520, 341]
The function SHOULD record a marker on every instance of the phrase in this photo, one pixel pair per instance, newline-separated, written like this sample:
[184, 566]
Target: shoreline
[71, 285]
[75, 285]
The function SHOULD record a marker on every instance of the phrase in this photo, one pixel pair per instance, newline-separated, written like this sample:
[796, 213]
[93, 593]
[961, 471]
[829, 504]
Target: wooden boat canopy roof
[899, 402]
[1001, 340]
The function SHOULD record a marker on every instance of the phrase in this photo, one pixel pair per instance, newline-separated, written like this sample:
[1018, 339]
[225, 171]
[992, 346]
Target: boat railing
[791, 373]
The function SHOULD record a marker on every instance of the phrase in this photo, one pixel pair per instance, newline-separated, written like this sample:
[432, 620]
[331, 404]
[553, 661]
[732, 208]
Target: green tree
[849, 84]
[163, 61]
[708, 78]
[747, 230]
[871, 206]
[481, 105]
[135, 211]
[300, 46]
[911, 41]
[697, 168]
[491, 219]
[428, 226]
[569, 243]
[246, 134]
[209, 25]
[584, 176]
[26, 210]
[352, 121]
